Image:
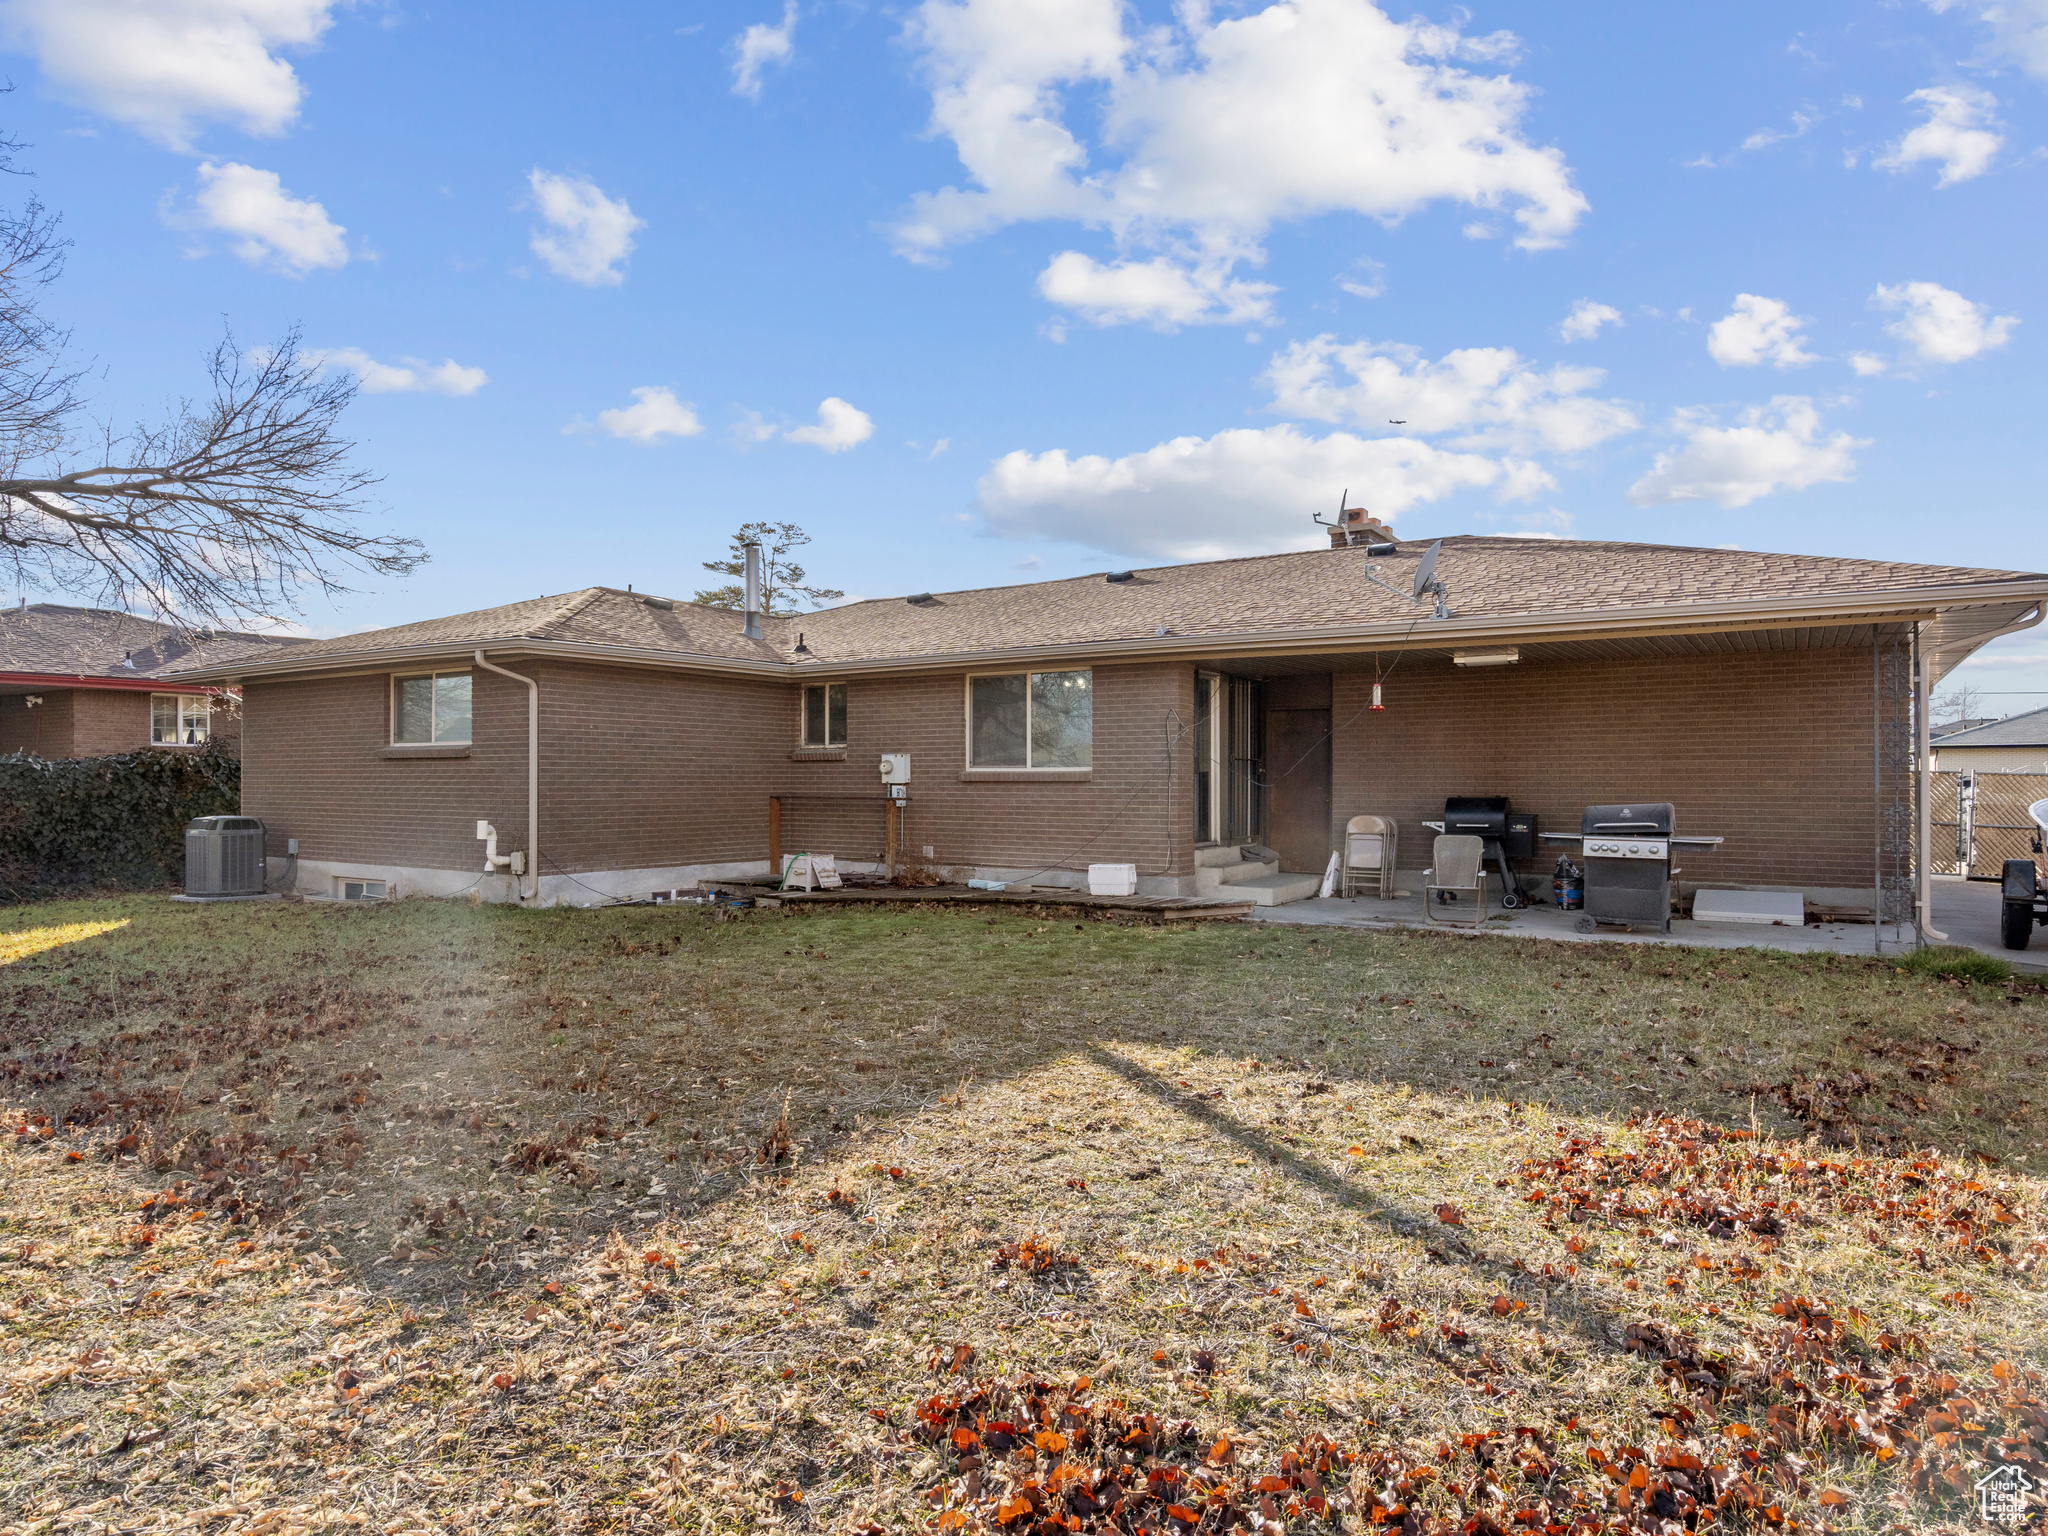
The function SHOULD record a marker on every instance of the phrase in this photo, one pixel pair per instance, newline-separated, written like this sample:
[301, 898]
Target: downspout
[532, 774]
[1923, 818]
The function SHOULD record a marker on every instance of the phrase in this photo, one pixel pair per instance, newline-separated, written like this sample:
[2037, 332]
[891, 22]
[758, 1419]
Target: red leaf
[1450, 1215]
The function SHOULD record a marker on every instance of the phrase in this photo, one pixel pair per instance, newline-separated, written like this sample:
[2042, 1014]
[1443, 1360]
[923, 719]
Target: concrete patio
[1967, 911]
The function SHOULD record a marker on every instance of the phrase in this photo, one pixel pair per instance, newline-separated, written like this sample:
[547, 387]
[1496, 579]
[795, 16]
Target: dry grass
[424, 1217]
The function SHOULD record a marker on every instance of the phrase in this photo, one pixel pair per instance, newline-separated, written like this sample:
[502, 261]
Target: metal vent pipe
[753, 591]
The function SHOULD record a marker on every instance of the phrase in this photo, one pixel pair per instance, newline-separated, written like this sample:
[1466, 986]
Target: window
[825, 715]
[178, 719]
[1031, 720]
[430, 710]
[360, 890]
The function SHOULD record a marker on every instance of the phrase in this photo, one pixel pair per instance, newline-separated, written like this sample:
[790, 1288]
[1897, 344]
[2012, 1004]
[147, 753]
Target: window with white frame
[825, 715]
[430, 710]
[179, 719]
[1031, 720]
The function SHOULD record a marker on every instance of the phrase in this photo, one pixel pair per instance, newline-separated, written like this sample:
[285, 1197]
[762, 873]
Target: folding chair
[1454, 886]
[1370, 847]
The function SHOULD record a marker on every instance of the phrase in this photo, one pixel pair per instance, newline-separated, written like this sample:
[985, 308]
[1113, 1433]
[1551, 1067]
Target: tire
[2016, 925]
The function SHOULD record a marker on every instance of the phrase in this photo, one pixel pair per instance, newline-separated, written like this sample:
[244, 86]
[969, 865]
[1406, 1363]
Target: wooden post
[774, 838]
[891, 813]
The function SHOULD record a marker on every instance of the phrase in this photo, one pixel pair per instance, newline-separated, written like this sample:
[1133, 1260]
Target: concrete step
[1275, 890]
[1212, 879]
[1217, 855]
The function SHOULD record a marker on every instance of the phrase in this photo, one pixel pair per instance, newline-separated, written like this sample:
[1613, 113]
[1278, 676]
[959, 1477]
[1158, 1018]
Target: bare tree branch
[225, 510]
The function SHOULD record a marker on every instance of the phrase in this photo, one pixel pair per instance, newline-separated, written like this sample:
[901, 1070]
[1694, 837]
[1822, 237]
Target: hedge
[82, 822]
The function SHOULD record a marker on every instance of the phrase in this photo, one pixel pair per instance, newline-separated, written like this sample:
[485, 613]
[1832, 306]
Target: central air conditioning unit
[224, 856]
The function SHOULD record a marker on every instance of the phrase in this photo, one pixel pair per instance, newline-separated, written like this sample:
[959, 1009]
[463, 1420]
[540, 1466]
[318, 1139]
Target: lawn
[429, 1217]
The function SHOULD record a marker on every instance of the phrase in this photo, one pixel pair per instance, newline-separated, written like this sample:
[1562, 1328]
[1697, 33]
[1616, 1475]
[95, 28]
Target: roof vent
[666, 605]
[1117, 578]
[919, 597]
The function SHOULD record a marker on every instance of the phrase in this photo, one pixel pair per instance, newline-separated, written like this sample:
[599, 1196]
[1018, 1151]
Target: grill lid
[1476, 815]
[1643, 819]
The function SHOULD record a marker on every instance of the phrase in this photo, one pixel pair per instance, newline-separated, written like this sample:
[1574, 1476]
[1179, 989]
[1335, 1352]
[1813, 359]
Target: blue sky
[986, 292]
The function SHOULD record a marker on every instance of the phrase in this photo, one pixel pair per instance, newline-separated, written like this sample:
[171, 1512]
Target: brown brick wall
[311, 769]
[94, 722]
[106, 721]
[44, 731]
[1771, 751]
[1134, 807]
[642, 768]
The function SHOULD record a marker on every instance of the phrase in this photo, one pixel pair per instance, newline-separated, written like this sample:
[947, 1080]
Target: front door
[1298, 786]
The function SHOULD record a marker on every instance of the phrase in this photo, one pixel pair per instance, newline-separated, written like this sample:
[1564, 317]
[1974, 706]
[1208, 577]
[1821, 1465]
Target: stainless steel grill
[1627, 852]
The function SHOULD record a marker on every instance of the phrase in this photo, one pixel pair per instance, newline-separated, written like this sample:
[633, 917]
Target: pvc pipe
[532, 774]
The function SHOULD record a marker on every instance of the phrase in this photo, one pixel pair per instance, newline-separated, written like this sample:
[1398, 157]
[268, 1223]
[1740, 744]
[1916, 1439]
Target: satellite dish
[1426, 570]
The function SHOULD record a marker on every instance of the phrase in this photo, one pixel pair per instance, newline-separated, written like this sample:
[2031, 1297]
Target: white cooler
[1112, 879]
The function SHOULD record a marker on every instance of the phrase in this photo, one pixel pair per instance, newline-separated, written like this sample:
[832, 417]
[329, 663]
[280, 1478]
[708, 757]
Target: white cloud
[267, 225]
[1775, 447]
[1758, 330]
[1868, 365]
[1585, 320]
[759, 46]
[840, 427]
[1939, 324]
[1491, 396]
[2017, 31]
[1207, 132]
[1802, 123]
[1368, 279]
[1160, 292]
[407, 376]
[1958, 133]
[588, 236]
[164, 66]
[654, 414]
[1241, 492]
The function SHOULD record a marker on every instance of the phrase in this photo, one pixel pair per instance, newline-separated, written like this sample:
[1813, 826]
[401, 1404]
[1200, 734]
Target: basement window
[360, 890]
[178, 719]
[432, 710]
[1031, 720]
[825, 715]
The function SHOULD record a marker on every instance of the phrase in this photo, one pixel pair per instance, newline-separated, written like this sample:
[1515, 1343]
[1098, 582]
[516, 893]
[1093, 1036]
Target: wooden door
[1298, 788]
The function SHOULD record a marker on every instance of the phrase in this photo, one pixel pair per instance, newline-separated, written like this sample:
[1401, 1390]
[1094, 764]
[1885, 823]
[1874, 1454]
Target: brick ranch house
[88, 682]
[1154, 717]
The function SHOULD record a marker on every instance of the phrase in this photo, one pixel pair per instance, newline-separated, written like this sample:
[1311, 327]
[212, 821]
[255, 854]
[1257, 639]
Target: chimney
[753, 592]
[1355, 527]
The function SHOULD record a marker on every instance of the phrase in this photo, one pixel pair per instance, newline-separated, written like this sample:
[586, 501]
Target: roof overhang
[55, 680]
[1961, 618]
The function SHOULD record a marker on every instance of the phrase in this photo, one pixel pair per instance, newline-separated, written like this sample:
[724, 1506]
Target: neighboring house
[87, 682]
[2016, 744]
[1160, 718]
[1949, 727]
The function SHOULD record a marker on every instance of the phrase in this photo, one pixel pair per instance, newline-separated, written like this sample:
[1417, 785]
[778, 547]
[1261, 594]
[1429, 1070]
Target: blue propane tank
[1568, 886]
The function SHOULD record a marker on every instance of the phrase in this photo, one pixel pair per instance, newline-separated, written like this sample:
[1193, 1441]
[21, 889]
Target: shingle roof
[593, 616]
[1486, 577]
[1262, 596]
[2027, 730]
[49, 639]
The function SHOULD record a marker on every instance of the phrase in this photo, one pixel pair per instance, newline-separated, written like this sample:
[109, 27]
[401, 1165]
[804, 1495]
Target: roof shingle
[49, 639]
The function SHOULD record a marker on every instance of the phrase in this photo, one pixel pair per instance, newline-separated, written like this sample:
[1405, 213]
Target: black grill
[1508, 835]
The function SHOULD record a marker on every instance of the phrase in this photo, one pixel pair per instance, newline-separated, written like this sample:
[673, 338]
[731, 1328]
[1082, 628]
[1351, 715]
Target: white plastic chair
[1371, 846]
[1454, 886]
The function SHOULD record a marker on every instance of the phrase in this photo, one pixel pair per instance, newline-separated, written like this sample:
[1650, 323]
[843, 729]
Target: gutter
[145, 683]
[532, 772]
[1910, 606]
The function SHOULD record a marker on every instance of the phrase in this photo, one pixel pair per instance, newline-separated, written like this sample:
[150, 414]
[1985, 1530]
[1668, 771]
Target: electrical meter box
[895, 767]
